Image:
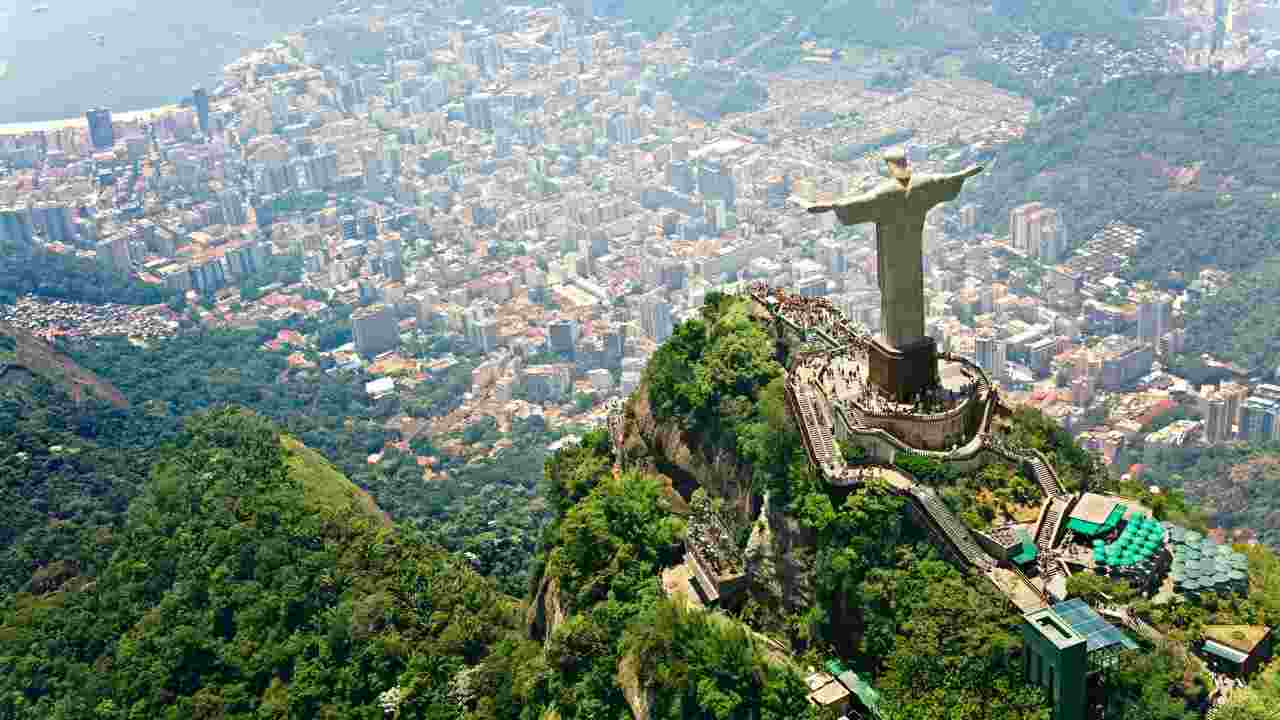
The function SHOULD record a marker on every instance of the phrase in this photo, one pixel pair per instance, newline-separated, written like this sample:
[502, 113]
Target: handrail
[1044, 596]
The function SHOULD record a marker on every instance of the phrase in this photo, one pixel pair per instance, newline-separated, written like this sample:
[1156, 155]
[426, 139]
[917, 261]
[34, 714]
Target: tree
[1150, 687]
[674, 391]
[1100, 591]
[953, 654]
[1248, 704]
[245, 553]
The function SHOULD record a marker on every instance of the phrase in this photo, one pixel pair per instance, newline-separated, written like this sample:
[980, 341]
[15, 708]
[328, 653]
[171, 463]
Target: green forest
[487, 508]
[247, 580]
[189, 556]
[1234, 485]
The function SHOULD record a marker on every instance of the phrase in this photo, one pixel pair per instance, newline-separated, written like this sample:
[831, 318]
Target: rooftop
[1094, 508]
[1083, 620]
[1238, 637]
[1053, 628]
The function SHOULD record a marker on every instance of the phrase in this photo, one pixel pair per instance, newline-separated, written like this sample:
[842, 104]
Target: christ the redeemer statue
[898, 209]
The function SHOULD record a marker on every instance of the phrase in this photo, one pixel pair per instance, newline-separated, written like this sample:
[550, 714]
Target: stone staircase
[1052, 569]
[955, 531]
[1049, 528]
[855, 415]
[818, 433]
[803, 412]
[981, 385]
[1047, 479]
[709, 589]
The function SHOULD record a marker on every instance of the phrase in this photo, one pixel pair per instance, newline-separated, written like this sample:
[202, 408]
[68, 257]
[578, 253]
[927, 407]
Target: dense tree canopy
[248, 584]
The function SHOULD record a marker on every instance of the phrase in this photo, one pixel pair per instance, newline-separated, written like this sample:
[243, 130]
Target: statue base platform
[902, 372]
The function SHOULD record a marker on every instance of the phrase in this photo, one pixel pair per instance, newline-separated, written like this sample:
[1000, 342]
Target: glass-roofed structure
[1063, 644]
[1104, 640]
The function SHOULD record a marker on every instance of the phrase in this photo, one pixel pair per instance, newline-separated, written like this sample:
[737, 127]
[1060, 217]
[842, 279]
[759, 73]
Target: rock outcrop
[688, 460]
[547, 611]
[640, 697]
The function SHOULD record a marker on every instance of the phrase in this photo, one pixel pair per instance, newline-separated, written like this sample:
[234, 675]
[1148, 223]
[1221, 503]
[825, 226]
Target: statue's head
[898, 165]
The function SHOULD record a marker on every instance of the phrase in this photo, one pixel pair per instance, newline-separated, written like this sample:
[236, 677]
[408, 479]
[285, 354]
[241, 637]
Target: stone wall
[883, 447]
[932, 432]
[994, 547]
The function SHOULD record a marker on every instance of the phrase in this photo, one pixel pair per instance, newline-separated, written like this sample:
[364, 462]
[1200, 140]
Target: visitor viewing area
[838, 404]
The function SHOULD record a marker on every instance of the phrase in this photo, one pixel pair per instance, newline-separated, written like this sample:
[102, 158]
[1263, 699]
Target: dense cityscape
[529, 188]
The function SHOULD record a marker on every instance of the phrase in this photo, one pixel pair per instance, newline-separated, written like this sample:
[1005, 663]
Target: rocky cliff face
[780, 562]
[686, 459]
[547, 610]
[780, 554]
[640, 697]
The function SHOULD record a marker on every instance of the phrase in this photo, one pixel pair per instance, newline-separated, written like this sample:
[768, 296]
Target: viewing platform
[838, 403]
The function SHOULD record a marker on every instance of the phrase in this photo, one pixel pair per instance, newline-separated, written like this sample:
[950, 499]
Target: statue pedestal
[901, 372]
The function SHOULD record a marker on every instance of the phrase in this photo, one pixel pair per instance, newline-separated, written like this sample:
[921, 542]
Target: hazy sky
[154, 51]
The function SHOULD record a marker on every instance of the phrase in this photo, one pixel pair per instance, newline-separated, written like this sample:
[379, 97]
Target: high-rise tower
[200, 98]
[101, 133]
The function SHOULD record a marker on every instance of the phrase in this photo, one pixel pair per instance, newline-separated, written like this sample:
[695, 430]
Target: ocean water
[153, 50]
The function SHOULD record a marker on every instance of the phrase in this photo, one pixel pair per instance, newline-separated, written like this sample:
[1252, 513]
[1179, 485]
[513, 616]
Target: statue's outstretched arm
[851, 211]
[944, 188]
